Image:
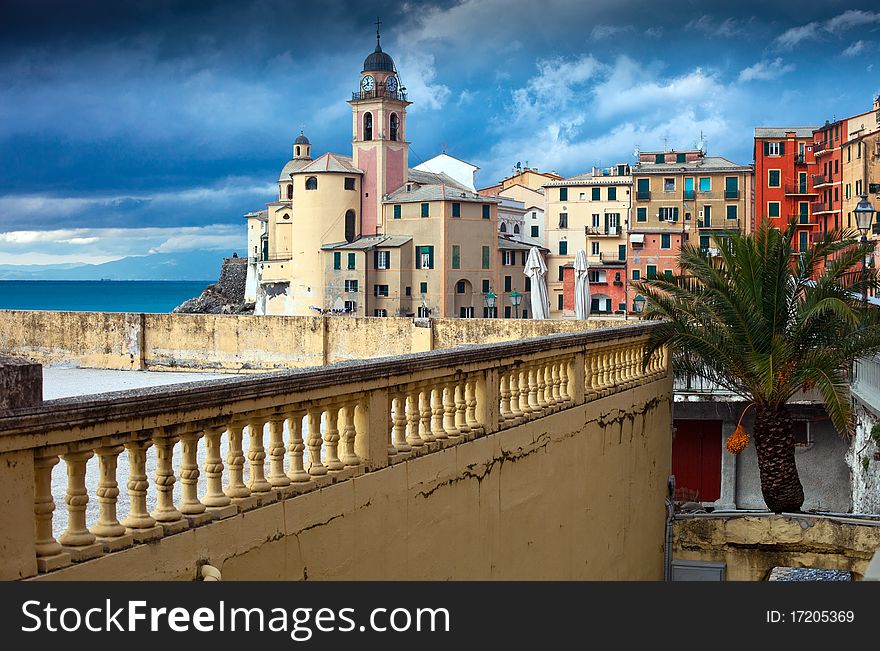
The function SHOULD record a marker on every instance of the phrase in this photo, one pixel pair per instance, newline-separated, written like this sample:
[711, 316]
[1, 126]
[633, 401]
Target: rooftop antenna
[666, 142]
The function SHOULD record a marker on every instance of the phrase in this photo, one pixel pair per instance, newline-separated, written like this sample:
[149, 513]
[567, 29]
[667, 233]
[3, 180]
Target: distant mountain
[192, 265]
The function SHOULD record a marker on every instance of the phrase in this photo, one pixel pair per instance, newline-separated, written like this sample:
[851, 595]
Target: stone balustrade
[284, 433]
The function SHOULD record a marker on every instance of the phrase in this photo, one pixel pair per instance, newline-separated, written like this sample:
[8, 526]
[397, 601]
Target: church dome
[379, 60]
[301, 139]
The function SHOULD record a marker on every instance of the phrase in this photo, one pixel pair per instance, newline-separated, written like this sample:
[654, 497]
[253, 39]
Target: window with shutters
[732, 211]
[383, 259]
[637, 274]
[426, 209]
[423, 288]
[596, 220]
[612, 194]
[665, 241]
[563, 247]
[559, 301]
[641, 214]
[659, 158]
[337, 260]
[680, 158]
[773, 149]
[485, 257]
[460, 287]
[773, 209]
[380, 291]
[594, 248]
[456, 210]
[669, 185]
[456, 256]
[651, 272]
[508, 283]
[596, 194]
[424, 257]
[350, 306]
[397, 211]
[380, 312]
[563, 194]
[351, 286]
[485, 286]
[528, 286]
[487, 214]
[773, 178]
[535, 231]
[561, 274]
[508, 258]
[352, 260]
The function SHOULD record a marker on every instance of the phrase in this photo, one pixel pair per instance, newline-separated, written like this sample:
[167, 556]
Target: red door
[696, 460]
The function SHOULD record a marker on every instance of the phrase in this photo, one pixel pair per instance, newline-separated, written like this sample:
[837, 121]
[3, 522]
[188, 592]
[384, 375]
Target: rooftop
[707, 163]
[369, 242]
[779, 132]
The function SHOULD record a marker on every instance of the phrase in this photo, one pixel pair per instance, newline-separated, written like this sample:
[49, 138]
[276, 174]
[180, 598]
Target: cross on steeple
[378, 23]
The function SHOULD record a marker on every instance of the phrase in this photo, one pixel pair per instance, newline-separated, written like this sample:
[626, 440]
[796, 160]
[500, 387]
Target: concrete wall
[578, 494]
[21, 383]
[751, 546]
[229, 342]
[864, 468]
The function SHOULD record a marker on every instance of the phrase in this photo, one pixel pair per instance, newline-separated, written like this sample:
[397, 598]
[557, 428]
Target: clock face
[367, 83]
[391, 84]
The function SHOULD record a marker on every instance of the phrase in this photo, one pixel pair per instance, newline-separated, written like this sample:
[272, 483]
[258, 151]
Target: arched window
[503, 227]
[516, 229]
[368, 126]
[289, 191]
[312, 183]
[349, 226]
[395, 123]
[297, 150]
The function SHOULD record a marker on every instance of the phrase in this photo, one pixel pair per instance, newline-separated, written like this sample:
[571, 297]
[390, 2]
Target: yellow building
[588, 211]
[365, 234]
[860, 162]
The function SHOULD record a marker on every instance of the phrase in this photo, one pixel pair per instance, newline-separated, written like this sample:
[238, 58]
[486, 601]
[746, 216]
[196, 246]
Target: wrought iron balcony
[381, 92]
[799, 188]
[821, 179]
[689, 195]
[731, 194]
[643, 195]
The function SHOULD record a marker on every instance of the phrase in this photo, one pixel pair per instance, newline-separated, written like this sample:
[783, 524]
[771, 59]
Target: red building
[784, 168]
[608, 287]
[827, 151]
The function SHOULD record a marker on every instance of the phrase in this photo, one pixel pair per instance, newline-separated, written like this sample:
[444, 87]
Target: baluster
[165, 513]
[449, 410]
[50, 555]
[605, 357]
[109, 532]
[277, 477]
[505, 415]
[398, 430]
[257, 457]
[413, 419]
[461, 408]
[235, 460]
[316, 466]
[349, 433]
[437, 413]
[534, 404]
[140, 524]
[190, 506]
[425, 416]
[593, 373]
[553, 375]
[296, 448]
[331, 438]
[471, 406]
[516, 413]
[215, 500]
[77, 540]
[564, 394]
[524, 404]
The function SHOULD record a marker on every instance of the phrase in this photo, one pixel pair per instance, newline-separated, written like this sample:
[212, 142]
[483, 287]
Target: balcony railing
[689, 195]
[611, 231]
[800, 159]
[374, 413]
[820, 206]
[611, 258]
[802, 218]
[718, 224]
[798, 188]
[820, 179]
[643, 195]
[731, 194]
[819, 147]
[373, 94]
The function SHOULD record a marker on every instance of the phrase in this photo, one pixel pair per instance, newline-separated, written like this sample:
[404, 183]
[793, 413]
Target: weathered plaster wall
[575, 495]
[240, 342]
[21, 383]
[95, 339]
[864, 469]
[751, 546]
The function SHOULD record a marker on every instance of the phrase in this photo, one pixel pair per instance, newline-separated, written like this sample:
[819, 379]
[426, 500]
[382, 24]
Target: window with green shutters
[559, 301]
[596, 194]
[681, 158]
[731, 187]
[563, 194]
[704, 242]
[643, 189]
[705, 184]
[773, 178]
[563, 247]
[423, 288]
[659, 158]
[612, 194]
[665, 241]
[337, 260]
[508, 283]
[651, 272]
[486, 211]
[773, 209]
[456, 256]
[485, 257]
[641, 214]
[456, 210]
[668, 274]
[689, 187]
[485, 286]
[732, 212]
[424, 257]
[534, 231]
[621, 251]
[397, 211]
[637, 274]
[802, 241]
[426, 207]
[352, 259]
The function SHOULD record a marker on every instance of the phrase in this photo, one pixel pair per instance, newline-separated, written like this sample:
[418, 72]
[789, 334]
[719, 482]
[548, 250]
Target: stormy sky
[131, 127]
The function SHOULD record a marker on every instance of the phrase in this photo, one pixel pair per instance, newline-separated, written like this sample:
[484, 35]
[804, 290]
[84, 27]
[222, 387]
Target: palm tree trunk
[774, 443]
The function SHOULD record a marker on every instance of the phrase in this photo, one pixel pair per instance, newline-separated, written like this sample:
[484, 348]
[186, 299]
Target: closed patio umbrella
[581, 285]
[536, 270]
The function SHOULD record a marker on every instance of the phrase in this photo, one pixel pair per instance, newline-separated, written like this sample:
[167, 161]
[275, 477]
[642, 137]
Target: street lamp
[639, 304]
[864, 213]
[515, 300]
[490, 299]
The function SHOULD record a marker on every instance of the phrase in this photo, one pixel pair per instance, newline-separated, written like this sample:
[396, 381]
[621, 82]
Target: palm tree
[764, 321]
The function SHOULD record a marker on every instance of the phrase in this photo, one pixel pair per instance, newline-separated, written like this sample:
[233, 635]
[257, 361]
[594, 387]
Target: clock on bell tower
[379, 145]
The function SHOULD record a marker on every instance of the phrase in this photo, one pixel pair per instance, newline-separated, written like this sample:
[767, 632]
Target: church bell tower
[379, 145]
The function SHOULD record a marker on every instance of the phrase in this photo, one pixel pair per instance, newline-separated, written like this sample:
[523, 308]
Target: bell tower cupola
[379, 145]
[302, 148]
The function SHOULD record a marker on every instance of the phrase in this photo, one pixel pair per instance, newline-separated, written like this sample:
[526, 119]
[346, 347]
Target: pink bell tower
[379, 146]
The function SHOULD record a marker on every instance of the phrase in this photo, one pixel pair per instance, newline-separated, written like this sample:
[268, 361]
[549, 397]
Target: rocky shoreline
[226, 296]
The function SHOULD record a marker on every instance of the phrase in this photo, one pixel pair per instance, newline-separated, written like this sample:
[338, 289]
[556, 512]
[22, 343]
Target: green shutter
[563, 194]
[563, 247]
[397, 211]
[642, 214]
[621, 251]
[766, 148]
[652, 271]
[731, 212]
[595, 194]
[486, 211]
[485, 257]
[507, 283]
[352, 260]
[456, 256]
[337, 260]
[612, 194]
[426, 210]
[782, 149]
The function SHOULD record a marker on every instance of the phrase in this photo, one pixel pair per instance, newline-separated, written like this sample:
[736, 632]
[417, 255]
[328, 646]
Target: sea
[98, 295]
